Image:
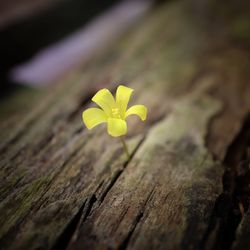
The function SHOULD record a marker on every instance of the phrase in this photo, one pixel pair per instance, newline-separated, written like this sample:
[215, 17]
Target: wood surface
[186, 185]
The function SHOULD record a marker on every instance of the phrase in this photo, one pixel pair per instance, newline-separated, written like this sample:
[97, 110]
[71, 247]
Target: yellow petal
[139, 110]
[93, 116]
[123, 94]
[105, 100]
[117, 127]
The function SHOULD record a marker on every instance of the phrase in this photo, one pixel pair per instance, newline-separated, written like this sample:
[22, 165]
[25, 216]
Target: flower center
[116, 113]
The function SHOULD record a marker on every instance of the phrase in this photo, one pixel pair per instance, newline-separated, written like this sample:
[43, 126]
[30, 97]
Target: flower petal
[117, 127]
[105, 100]
[139, 110]
[123, 94]
[93, 116]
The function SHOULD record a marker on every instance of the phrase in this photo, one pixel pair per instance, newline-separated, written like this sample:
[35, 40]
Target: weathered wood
[242, 187]
[242, 239]
[65, 187]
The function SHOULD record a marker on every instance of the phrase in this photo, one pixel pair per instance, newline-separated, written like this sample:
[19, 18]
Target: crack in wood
[38, 205]
[137, 220]
[65, 237]
[116, 226]
[119, 172]
[230, 206]
[69, 235]
[39, 159]
[126, 241]
[91, 203]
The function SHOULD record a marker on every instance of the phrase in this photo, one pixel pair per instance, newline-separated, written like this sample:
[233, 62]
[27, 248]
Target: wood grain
[65, 187]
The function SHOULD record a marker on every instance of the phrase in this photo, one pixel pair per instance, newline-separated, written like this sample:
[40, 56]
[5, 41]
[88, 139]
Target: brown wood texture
[185, 186]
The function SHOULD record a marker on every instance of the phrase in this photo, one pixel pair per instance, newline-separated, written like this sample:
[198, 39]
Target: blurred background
[42, 40]
[37, 35]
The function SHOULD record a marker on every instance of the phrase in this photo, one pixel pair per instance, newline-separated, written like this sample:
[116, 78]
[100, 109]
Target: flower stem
[125, 147]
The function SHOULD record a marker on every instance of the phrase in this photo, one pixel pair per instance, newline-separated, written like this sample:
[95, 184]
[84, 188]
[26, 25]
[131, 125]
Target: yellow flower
[113, 112]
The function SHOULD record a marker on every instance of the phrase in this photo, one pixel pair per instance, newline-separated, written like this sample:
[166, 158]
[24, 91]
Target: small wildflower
[113, 112]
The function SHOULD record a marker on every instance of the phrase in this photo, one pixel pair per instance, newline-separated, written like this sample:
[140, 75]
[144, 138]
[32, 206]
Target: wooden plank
[63, 186]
